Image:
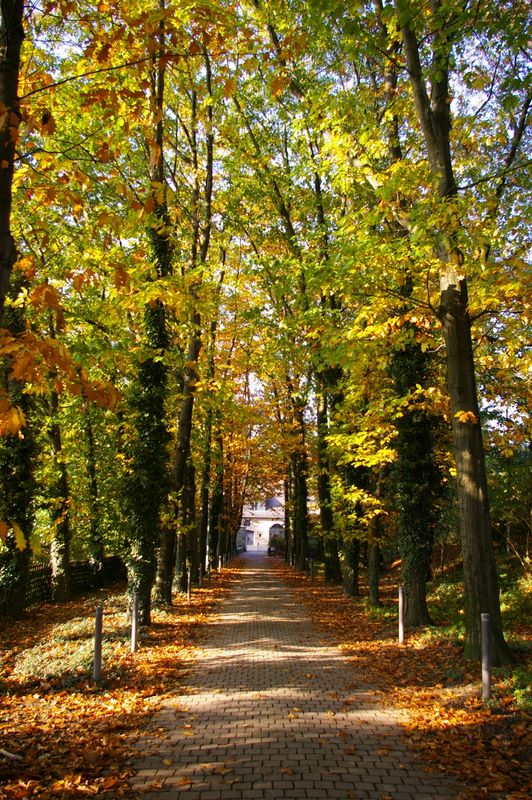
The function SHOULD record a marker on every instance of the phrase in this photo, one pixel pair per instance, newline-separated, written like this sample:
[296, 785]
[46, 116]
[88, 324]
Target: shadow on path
[272, 710]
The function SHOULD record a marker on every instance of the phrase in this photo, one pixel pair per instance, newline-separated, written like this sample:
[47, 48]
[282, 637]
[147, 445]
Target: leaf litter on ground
[69, 737]
[486, 745]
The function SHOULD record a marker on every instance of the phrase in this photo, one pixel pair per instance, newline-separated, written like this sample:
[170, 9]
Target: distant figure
[269, 551]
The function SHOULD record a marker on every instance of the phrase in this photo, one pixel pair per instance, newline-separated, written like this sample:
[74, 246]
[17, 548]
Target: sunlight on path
[271, 710]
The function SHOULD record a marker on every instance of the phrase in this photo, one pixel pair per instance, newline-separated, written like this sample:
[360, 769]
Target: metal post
[401, 615]
[485, 626]
[135, 622]
[189, 579]
[200, 576]
[98, 636]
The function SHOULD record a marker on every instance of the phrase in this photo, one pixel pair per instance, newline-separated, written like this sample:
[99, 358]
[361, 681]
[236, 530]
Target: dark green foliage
[415, 482]
[147, 483]
[17, 484]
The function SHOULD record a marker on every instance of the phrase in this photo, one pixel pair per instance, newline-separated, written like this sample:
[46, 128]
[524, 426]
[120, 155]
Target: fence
[83, 576]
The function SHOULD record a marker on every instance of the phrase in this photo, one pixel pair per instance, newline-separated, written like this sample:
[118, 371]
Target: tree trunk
[11, 38]
[333, 570]
[374, 556]
[481, 591]
[205, 494]
[190, 522]
[166, 559]
[60, 510]
[96, 548]
[288, 543]
[201, 234]
[148, 484]
[215, 542]
[352, 550]
[415, 483]
[434, 113]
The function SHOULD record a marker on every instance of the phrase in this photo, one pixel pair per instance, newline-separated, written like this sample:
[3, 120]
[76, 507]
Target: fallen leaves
[65, 737]
[487, 747]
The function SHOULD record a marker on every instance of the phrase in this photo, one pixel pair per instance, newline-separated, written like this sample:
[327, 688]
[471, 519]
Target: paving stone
[266, 702]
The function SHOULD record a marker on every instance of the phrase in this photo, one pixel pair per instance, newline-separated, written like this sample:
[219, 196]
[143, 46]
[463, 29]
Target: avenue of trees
[252, 246]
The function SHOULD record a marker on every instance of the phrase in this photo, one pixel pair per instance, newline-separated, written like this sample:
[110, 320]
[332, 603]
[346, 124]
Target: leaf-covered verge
[71, 738]
[487, 745]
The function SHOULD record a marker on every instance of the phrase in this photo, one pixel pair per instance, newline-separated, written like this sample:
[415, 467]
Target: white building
[261, 522]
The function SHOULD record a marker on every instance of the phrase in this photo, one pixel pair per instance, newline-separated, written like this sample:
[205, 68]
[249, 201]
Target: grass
[65, 657]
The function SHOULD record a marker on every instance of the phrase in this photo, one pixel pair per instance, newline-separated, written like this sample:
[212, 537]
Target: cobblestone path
[271, 710]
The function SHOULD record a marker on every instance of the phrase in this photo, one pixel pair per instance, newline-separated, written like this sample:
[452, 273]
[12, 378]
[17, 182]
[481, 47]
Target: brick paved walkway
[273, 711]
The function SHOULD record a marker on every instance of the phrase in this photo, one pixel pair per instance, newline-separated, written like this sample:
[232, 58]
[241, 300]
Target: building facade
[262, 525]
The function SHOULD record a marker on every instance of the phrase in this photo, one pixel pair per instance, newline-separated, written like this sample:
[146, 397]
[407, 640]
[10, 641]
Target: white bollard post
[485, 627]
[98, 636]
[135, 622]
[401, 614]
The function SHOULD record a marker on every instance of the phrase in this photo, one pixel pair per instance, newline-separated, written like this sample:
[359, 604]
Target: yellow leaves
[466, 417]
[39, 364]
[20, 539]
[44, 194]
[16, 531]
[105, 50]
[150, 205]
[27, 266]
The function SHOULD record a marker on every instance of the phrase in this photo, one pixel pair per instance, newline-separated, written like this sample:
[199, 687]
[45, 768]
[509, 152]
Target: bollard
[189, 578]
[486, 655]
[135, 622]
[98, 635]
[200, 576]
[401, 615]
[220, 563]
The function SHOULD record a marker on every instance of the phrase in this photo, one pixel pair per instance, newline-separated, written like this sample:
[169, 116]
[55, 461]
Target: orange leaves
[41, 363]
[75, 740]
[230, 87]
[121, 277]
[12, 418]
[45, 296]
[447, 722]
[279, 83]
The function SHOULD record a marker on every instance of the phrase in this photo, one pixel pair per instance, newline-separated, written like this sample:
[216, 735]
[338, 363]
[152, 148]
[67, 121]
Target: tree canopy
[251, 247]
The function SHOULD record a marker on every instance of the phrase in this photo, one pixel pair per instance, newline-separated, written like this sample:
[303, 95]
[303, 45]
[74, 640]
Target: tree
[435, 120]
[11, 38]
